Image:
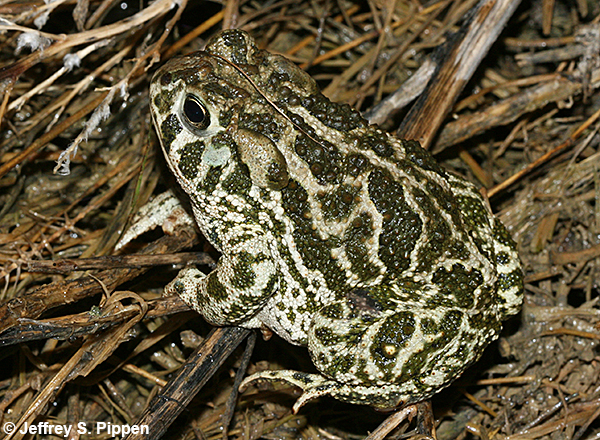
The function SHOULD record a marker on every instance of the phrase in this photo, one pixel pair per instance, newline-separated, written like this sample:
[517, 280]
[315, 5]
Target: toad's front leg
[244, 279]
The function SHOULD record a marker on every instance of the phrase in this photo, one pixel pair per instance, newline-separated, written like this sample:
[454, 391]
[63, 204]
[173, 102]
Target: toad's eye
[195, 113]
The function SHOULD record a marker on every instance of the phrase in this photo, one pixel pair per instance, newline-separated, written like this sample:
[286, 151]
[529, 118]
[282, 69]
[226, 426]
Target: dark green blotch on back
[420, 157]
[445, 200]
[340, 117]
[190, 159]
[438, 232]
[473, 210]
[355, 239]
[457, 287]
[377, 141]
[401, 226]
[339, 203]
[357, 164]
[295, 201]
[315, 252]
[323, 158]
[169, 130]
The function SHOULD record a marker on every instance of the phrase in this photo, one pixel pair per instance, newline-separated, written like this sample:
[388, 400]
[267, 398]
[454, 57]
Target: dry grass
[88, 338]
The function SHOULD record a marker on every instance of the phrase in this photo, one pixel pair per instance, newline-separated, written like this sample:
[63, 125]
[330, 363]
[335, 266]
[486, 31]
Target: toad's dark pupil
[195, 112]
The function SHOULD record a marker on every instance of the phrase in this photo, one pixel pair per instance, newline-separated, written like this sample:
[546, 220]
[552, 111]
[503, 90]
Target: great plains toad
[334, 234]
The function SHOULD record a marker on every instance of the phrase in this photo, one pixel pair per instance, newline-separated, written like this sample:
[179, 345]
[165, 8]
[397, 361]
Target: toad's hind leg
[378, 346]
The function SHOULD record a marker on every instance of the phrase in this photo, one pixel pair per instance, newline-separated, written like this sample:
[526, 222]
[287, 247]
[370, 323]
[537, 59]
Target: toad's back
[334, 234]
